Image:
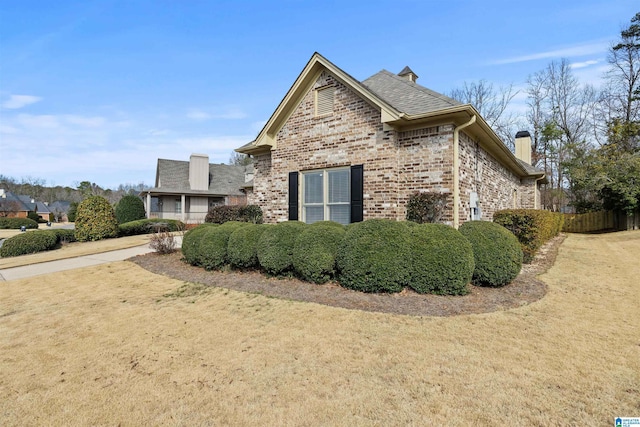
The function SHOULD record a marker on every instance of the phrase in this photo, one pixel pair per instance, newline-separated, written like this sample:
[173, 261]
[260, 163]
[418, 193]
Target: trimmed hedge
[16, 223]
[95, 220]
[145, 226]
[130, 208]
[64, 235]
[441, 260]
[213, 245]
[426, 207]
[532, 227]
[222, 214]
[328, 223]
[275, 246]
[242, 247]
[375, 256]
[315, 249]
[191, 243]
[29, 243]
[496, 252]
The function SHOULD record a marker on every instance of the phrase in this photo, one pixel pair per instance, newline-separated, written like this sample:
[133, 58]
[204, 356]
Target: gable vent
[324, 101]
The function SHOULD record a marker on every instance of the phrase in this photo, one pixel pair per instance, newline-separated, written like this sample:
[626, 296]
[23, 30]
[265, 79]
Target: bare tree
[620, 107]
[492, 104]
[239, 159]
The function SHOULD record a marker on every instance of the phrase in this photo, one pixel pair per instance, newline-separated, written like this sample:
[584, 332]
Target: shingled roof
[406, 96]
[173, 176]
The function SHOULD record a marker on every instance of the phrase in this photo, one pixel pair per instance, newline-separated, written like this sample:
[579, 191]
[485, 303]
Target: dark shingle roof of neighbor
[173, 175]
[406, 96]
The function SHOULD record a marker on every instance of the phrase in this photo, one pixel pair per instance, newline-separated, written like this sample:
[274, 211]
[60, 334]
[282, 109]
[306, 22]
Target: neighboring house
[186, 190]
[19, 206]
[343, 150]
[60, 210]
[36, 206]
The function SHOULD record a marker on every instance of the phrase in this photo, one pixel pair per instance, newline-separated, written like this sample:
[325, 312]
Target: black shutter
[357, 188]
[293, 196]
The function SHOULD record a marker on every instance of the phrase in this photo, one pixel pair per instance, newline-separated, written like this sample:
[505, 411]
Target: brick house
[343, 150]
[186, 190]
[19, 206]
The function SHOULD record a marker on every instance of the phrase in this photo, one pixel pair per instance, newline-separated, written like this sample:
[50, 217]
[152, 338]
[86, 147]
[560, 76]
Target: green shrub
[441, 260]
[16, 223]
[496, 252]
[222, 214]
[213, 245]
[275, 246]
[64, 236]
[130, 208]
[242, 247]
[375, 256]
[34, 216]
[28, 243]
[327, 223]
[426, 207]
[95, 220]
[315, 249]
[72, 212]
[191, 243]
[145, 226]
[532, 227]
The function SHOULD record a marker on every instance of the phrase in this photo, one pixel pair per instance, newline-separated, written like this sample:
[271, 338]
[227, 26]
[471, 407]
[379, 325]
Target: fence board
[599, 221]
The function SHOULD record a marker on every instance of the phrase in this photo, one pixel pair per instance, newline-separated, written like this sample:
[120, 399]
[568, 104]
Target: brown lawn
[117, 345]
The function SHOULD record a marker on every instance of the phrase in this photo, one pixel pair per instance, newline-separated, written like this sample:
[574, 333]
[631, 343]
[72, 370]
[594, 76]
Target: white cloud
[198, 115]
[38, 121]
[591, 48]
[583, 64]
[18, 101]
[228, 114]
[91, 122]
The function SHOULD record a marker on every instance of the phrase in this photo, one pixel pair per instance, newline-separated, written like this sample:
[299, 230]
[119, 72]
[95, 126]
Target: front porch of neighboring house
[188, 208]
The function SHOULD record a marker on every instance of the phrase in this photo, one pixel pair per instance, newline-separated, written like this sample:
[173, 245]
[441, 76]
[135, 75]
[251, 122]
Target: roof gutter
[456, 170]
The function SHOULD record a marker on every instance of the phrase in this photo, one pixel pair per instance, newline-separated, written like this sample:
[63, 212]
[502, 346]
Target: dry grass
[116, 345]
[72, 250]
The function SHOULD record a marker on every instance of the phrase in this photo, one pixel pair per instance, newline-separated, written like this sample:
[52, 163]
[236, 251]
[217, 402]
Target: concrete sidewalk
[71, 263]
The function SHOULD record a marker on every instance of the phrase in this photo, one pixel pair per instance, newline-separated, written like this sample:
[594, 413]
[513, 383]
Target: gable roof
[10, 202]
[402, 103]
[172, 176]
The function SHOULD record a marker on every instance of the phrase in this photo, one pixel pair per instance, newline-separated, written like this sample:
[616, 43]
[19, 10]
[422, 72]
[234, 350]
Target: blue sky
[99, 90]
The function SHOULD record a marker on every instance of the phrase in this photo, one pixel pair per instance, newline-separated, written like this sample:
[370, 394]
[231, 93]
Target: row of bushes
[372, 256]
[145, 226]
[224, 214]
[532, 227]
[17, 223]
[35, 241]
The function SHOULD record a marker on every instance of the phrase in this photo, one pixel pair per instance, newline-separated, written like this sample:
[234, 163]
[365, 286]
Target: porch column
[148, 205]
[183, 199]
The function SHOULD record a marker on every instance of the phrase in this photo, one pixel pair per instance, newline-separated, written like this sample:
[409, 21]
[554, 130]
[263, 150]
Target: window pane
[340, 213]
[313, 187]
[339, 186]
[313, 214]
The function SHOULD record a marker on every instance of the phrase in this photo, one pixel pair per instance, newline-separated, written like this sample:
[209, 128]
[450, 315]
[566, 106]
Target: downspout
[456, 171]
[535, 191]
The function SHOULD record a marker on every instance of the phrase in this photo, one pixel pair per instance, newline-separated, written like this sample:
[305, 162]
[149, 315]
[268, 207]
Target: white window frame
[325, 192]
[178, 206]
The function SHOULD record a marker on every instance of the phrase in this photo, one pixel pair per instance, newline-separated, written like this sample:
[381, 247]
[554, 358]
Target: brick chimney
[523, 146]
[199, 172]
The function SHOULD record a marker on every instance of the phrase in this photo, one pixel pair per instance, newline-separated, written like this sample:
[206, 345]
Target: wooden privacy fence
[599, 221]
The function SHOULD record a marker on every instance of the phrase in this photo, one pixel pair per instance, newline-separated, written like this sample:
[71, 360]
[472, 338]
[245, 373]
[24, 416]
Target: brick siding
[396, 164]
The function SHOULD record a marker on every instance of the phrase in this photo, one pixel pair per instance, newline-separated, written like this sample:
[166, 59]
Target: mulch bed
[525, 289]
